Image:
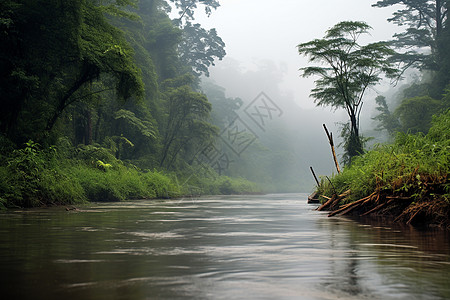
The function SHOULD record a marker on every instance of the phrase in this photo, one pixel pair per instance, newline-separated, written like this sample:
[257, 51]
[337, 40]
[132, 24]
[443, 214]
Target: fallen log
[333, 201]
[345, 207]
[326, 204]
[349, 207]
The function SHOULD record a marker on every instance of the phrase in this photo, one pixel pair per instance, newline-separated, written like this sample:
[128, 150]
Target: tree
[387, 120]
[348, 69]
[425, 22]
[186, 126]
[187, 7]
[415, 114]
[199, 48]
[224, 109]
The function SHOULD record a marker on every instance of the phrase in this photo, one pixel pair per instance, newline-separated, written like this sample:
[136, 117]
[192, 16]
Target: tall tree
[347, 69]
[200, 47]
[187, 114]
[425, 22]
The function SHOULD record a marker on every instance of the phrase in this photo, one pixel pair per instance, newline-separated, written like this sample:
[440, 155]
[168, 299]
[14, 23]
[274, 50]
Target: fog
[261, 39]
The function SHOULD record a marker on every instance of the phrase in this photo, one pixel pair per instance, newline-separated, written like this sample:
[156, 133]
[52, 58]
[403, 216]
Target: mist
[294, 129]
[261, 41]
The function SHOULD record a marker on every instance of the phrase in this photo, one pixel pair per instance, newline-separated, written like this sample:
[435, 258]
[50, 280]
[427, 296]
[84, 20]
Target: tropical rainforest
[101, 101]
[107, 100]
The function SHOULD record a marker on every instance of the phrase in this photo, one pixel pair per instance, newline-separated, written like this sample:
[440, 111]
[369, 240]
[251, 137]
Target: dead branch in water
[349, 207]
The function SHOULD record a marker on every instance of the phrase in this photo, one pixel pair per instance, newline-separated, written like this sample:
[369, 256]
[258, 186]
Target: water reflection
[400, 261]
[252, 247]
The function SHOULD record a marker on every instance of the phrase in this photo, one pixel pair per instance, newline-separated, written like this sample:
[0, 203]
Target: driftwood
[330, 140]
[351, 206]
[326, 204]
[313, 198]
[333, 202]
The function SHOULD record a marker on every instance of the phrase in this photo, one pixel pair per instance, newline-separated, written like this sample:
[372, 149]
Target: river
[217, 247]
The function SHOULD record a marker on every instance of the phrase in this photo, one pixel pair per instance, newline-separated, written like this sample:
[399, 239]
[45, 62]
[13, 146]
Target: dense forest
[109, 100]
[101, 100]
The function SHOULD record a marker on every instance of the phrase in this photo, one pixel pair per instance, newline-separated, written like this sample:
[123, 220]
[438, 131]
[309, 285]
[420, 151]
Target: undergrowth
[410, 166]
[61, 175]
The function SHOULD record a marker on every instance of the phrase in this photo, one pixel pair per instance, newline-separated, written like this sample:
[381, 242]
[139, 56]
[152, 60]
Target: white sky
[256, 30]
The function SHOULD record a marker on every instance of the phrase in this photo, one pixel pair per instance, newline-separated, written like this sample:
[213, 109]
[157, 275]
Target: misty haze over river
[216, 247]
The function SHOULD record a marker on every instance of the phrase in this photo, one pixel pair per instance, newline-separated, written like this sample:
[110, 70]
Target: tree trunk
[355, 145]
[438, 18]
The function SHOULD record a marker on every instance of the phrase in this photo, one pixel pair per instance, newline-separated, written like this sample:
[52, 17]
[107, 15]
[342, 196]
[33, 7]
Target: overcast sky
[257, 30]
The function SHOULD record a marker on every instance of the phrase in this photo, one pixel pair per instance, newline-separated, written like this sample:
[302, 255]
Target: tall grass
[37, 176]
[402, 166]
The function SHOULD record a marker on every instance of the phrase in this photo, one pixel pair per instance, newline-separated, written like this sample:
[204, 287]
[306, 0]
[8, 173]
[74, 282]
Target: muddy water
[238, 247]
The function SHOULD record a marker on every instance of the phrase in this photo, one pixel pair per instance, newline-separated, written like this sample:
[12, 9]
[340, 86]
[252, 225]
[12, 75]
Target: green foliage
[224, 185]
[200, 47]
[90, 154]
[424, 43]
[401, 166]
[351, 143]
[35, 177]
[32, 177]
[440, 131]
[52, 55]
[415, 114]
[187, 8]
[104, 48]
[187, 127]
[68, 70]
[143, 128]
[386, 120]
[424, 22]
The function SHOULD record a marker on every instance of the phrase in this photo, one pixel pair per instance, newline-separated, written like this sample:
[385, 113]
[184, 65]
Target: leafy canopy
[425, 22]
[345, 70]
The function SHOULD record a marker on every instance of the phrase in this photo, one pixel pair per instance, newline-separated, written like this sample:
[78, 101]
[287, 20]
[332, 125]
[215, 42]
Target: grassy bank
[407, 180]
[62, 175]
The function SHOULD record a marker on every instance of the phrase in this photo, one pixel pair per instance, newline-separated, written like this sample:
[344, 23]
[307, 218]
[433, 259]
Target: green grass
[405, 166]
[34, 176]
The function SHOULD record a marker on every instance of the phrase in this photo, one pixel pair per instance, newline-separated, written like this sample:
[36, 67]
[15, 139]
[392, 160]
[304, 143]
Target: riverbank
[36, 176]
[407, 181]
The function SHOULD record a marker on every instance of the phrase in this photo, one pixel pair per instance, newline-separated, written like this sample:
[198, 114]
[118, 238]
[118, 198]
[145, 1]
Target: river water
[219, 247]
